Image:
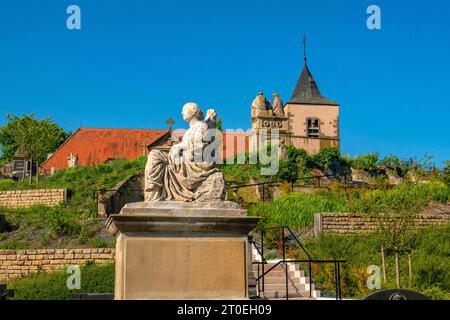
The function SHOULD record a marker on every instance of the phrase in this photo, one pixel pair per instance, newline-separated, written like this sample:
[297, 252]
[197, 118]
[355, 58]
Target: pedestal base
[177, 250]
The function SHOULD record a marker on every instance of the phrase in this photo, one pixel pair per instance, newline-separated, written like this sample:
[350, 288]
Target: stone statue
[278, 105]
[210, 118]
[72, 160]
[185, 173]
[259, 103]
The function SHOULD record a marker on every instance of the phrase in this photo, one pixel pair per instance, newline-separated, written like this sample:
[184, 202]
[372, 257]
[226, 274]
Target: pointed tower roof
[306, 91]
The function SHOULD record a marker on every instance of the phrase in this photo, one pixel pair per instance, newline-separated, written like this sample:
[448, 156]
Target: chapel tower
[313, 119]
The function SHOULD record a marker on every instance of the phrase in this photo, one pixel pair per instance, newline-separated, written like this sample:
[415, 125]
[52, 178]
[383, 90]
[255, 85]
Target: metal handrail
[263, 230]
[278, 181]
[259, 251]
[310, 261]
[96, 192]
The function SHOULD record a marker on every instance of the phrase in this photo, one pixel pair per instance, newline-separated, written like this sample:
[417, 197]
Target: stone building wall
[18, 263]
[26, 198]
[351, 223]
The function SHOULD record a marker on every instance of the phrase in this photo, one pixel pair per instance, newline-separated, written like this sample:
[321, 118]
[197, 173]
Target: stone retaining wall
[18, 263]
[350, 223]
[113, 201]
[27, 198]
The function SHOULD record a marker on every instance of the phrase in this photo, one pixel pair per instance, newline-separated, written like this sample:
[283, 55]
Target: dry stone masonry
[18, 263]
[27, 198]
[350, 223]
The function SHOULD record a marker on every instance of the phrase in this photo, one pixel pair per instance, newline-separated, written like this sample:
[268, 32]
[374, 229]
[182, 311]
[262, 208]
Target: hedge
[53, 285]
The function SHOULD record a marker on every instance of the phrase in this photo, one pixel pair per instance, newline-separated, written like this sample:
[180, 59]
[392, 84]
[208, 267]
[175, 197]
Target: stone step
[251, 282]
[275, 273]
[271, 280]
[282, 294]
[280, 280]
[282, 287]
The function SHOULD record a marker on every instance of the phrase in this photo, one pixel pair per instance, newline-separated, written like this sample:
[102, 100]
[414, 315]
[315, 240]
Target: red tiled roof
[94, 146]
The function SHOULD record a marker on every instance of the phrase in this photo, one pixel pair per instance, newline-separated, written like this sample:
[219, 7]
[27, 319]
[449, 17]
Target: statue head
[191, 110]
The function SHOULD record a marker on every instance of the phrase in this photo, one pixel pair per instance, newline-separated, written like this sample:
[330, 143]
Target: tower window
[312, 126]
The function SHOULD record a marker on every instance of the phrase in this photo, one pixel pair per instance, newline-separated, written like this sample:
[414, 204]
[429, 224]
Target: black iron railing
[97, 192]
[261, 273]
[317, 184]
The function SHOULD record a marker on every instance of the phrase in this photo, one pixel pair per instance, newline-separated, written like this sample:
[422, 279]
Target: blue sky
[135, 63]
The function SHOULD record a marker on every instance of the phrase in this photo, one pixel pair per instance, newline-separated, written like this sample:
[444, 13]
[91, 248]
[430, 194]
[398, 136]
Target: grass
[73, 223]
[430, 254]
[56, 227]
[297, 209]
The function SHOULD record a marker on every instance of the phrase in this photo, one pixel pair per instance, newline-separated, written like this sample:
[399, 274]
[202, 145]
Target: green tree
[37, 137]
[295, 164]
[324, 158]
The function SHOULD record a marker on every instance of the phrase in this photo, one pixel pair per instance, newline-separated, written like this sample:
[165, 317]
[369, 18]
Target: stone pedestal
[179, 250]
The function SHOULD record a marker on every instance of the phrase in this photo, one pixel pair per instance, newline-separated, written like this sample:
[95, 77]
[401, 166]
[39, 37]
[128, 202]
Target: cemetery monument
[184, 241]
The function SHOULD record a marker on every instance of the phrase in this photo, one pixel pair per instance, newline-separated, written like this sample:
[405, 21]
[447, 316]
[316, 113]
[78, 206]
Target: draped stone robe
[179, 174]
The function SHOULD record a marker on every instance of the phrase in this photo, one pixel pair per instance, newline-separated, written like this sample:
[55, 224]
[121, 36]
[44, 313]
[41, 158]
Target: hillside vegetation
[430, 254]
[53, 285]
[73, 223]
[297, 209]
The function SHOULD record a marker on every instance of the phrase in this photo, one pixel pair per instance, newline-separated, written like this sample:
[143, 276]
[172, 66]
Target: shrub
[430, 250]
[325, 158]
[435, 293]
[63, 223]
[53, 285]
[294, 166]
[367, 161]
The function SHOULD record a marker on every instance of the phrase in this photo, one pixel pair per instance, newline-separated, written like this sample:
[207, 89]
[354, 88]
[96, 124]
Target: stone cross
[170, 122]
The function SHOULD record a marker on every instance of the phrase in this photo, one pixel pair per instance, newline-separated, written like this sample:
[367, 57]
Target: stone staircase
[275, 281]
